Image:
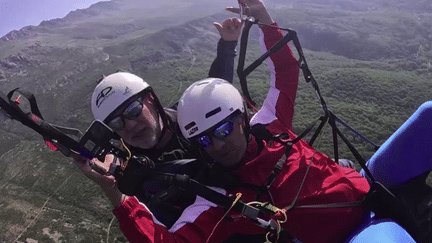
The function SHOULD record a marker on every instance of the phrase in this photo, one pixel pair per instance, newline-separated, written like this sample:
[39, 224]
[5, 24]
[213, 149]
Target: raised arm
[280, 100]
[279, 103]
[223, 66]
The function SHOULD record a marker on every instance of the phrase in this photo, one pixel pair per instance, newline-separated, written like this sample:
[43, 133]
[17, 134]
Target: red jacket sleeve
[279, 103]
[195, 225]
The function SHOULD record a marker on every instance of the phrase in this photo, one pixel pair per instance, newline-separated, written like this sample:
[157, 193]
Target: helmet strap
[247, 124]
[162, 116]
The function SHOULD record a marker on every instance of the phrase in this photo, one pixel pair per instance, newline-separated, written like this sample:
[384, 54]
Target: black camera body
[130, 178]
[99, 140]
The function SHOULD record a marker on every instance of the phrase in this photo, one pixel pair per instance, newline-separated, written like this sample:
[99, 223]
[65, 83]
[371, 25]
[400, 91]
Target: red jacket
[326, 182]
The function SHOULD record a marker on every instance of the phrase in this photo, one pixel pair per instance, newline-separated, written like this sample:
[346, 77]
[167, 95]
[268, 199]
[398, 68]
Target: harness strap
[241, 62]
[282, 138]
[385, 204]
[226, 202]
[353, 150]
[34, 121]
[338, 120]
[331, 205]
[324, 120]
[270, 179]
[30, 97]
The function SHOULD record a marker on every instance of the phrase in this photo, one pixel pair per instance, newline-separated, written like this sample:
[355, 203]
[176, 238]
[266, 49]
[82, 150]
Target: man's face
[144, 131]
[230, 150]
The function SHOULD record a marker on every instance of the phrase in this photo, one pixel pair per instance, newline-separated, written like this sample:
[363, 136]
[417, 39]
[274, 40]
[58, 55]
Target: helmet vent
[213, 112]
[190, 125]
[201, 83]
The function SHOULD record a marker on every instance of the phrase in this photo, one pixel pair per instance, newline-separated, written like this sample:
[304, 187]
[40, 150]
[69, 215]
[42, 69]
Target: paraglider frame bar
[328, 116]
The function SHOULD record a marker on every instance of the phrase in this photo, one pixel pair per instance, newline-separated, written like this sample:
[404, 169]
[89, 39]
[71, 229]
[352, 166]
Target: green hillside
[372, 62]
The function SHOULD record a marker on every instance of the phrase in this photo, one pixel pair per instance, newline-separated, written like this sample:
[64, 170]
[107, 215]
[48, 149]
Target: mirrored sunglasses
[131, 112]
[220, 132]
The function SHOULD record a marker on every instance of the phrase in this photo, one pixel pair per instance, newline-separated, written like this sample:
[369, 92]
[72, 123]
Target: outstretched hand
[230, 29]
[254, 8]
[97, 172]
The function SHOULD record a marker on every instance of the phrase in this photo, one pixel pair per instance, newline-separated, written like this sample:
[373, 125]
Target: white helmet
[113, 91]
[205, 103]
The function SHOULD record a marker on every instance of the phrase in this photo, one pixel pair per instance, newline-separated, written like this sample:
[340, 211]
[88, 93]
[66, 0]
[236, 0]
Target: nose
[130, 124]
[217, 144]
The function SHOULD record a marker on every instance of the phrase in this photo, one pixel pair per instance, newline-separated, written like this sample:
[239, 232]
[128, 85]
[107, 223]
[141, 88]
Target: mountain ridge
[374, 76]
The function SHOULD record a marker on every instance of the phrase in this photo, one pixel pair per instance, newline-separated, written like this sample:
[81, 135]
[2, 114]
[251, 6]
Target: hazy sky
[15, 14]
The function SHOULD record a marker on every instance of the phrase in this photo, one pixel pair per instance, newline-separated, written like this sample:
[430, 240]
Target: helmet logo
[105, 93]
[193, 126]
[127, 90]
[193, 130]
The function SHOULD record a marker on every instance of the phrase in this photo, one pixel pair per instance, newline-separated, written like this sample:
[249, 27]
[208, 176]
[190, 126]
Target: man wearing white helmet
[222, 130]
[224, 134]
[128, 105]
[119, 100]
[212, 115]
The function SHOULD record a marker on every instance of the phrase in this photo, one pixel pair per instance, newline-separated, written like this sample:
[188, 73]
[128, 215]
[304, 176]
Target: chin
[230, 163]
[147, 143]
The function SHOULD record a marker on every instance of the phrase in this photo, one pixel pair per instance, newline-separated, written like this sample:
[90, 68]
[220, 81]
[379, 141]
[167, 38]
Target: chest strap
[283, 138]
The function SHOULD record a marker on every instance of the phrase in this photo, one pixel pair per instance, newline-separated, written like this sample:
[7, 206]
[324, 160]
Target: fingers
[218, 26]
[233, 10]
[228, 25]
[98, 168]
[237, 23]
[76, 156]
[83, 165]
[95, 172]
[230, 29]
[232, 23]
[91, 169]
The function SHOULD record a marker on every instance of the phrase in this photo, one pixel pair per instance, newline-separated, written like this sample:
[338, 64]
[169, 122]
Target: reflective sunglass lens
[223, 130]
[133, 110]
[204, 141]
[116, 124]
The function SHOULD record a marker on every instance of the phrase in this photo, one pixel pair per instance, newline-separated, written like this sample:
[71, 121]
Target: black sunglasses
[131, 112]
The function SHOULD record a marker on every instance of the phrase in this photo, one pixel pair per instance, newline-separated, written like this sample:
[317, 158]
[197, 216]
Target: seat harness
[379, 199]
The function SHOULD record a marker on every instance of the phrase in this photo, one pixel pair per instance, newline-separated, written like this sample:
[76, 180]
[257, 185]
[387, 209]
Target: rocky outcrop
[25, 32]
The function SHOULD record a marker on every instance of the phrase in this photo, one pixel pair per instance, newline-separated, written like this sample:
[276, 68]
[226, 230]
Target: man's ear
[242, 121]
[150, 98]
[245, 118]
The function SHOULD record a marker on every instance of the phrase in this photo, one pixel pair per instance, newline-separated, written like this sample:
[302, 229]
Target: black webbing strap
[242, 57]
[353, 150]
[30, 97]
[338, 120]
[278, 167]
[378, 197]
[386, 205]
[332, 123]
[34, 121]
[226, 202]
[328, 116]
[283, 138]
[242, 72]
[186, 183]
[324, 120]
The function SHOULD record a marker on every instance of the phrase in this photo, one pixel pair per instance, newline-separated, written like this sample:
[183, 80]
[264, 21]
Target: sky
[15, 14]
